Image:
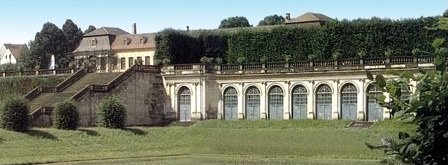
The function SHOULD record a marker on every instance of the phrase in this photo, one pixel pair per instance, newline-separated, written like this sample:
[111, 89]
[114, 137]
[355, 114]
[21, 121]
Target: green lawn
[207, 142]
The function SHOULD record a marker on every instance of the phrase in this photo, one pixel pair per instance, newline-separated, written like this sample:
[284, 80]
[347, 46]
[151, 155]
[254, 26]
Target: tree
[272, 20]
[49, 41]
[25, 57]
[426, 108]
[234, 22]
[73, 35]
[90, 29]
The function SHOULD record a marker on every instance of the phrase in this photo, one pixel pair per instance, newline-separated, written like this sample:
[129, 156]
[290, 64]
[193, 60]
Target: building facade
[110, 49]
[9, 53]
[277, 91]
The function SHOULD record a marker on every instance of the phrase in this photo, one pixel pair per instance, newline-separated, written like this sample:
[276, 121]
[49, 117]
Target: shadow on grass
[41, 134]
[89, 132]
[135, 131]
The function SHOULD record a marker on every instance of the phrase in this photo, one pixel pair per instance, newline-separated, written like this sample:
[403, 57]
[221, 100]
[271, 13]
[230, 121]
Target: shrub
[66, 115]
[15, 114]
[112, 113]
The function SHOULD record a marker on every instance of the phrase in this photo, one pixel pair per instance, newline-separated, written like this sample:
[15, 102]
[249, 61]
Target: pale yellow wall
[134, 54]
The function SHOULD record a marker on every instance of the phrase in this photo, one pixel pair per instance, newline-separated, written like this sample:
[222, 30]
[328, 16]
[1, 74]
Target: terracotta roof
[106, 31]
[134, 41]
[15, 49]
[309, 17]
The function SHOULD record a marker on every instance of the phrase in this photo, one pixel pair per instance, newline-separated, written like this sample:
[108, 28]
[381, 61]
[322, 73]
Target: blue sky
[21, 19]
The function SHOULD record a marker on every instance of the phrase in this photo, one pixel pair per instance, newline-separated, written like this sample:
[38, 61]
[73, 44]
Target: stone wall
[143, 95]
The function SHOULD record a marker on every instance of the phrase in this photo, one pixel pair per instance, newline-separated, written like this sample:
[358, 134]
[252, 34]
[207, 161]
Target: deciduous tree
[272, 20]
[234, 22]
[73, 34]
[90, 29]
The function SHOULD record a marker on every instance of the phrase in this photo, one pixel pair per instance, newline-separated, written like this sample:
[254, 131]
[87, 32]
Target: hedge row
[373, 37]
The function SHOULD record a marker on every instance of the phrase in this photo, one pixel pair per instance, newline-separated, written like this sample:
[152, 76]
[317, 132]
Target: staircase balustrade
[72, 79]
[33, 93]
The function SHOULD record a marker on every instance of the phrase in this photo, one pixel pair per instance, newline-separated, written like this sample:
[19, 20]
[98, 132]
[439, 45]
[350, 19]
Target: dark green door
[323, 103]
[230, 104]
[252, 104]
[299, 102]
[275, 103]
[349, 102]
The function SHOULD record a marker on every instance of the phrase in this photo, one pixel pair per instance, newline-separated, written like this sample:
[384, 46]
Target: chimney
[134, 28]
[288, 16]
[188, 28]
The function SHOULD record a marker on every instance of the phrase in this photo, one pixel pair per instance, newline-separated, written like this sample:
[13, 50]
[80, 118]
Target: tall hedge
[66, 115]
[373, 36]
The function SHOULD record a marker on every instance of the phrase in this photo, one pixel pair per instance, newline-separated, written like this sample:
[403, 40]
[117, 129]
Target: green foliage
[362, 38]
[426, 109]
[234, 22]
[22, 85]
[14, 114]
[181, 47]
[49, 41]
[66, 115]
[91, 28]
[73, 35]
[272, 20]
[112, 113]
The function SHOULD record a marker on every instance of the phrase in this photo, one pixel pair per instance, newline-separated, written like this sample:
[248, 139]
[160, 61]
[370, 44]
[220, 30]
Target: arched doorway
[299, 102]
[184, 100]
[275, 103]
[230, 104]
[349, 102]
[323, 102]
[374, 110]
[253, 103]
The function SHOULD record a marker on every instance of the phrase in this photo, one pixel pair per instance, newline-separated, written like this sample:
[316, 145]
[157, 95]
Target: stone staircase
[50, 99]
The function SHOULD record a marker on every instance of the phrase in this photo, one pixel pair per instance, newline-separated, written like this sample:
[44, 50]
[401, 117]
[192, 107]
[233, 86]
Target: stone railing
[38, 72]
[115, 82]
[317, 65]
[72, 79]
[37, 117]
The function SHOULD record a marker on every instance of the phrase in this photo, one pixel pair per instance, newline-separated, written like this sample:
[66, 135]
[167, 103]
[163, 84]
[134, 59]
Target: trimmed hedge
[14, 114]
[369, 37]
[66, 115]
[112, 113]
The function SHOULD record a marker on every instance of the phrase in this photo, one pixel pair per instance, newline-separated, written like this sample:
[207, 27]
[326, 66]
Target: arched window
[299, 102]
[276, 103]
[374, 110]
[230, 104]
[323, 102]
[349, 102]
[184, 97]
[253, 103]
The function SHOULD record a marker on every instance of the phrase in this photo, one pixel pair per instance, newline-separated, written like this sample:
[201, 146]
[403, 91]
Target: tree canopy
[234, 22]
[90, 29]
[49, 41]
[73, 34]
[272, 20]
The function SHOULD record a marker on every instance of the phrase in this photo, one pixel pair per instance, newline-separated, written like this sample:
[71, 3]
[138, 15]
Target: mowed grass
[207, 142]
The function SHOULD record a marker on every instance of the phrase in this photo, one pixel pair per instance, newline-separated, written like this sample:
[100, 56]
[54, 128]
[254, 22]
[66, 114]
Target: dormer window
[93, 42]
[127, 41]
[143, 40]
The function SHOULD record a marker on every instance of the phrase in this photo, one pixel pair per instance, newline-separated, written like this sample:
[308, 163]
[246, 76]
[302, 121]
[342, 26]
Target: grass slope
[207, 142]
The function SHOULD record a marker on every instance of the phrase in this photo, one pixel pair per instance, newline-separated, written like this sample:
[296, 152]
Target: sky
[20, 20]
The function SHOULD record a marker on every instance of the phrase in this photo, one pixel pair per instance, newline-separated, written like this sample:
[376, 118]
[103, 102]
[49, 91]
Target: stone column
[287, 101]
[241, 103]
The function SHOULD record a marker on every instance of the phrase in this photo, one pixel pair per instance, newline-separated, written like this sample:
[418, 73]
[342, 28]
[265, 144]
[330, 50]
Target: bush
[66, 115]
[112, 113]
[15, 114]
